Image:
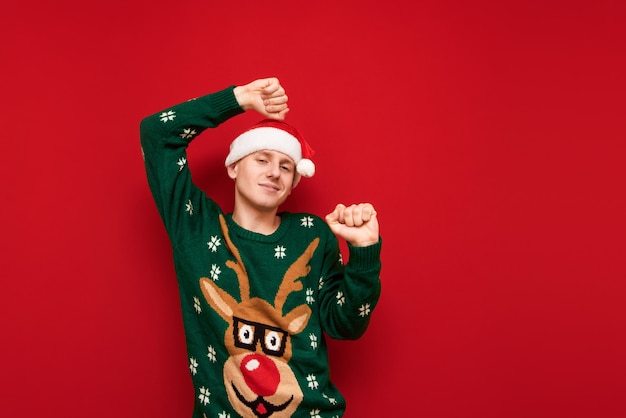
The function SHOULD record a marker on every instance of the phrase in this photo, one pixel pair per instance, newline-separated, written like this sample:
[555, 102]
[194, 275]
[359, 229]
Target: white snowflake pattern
[364, 310]
[214, 243]
[189, 207]
[340, 258]
[341, 299]
[321, 283]
[333, 401]
[307, 221]
[188, 133]
[215, 272]
[309, 296]
[312, 381]
[313, 339]
[167, 116]
[223, 415]
[193, 366]
[182, 161]
[196, 304]
[279, 251]
[211, 354]
[204, 395]
[315, 413]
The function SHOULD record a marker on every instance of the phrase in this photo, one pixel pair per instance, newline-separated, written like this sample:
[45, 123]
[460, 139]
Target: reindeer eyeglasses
[248, 334]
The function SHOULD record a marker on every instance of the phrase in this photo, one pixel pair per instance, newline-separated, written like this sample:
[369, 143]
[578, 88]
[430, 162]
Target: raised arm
[351, 291]
[166, 135]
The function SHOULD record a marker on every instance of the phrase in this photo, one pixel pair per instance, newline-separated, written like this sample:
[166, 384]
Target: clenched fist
[357, 224]
[266, 96]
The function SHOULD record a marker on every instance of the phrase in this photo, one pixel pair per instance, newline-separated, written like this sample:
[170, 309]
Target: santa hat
[276, 136]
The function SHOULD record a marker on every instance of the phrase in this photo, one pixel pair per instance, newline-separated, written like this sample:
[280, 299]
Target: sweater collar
[234, 228]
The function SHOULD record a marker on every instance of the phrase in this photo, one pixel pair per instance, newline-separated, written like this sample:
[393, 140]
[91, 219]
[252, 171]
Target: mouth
[261, 407]
[269, 186]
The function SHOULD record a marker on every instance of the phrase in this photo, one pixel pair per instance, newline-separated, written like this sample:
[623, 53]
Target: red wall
[490, 135]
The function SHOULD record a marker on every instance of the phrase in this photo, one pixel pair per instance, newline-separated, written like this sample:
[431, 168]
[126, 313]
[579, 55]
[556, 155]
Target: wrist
[363, 243]
[242, 97]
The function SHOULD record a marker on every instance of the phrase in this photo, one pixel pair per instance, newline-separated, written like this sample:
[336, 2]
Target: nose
[273, 169]
[260, 373]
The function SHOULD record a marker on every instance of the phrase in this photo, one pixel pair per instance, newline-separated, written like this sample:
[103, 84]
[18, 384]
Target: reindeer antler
[237, 267]
[299, 268]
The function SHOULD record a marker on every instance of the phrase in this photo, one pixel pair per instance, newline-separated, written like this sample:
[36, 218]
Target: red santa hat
[276, 136]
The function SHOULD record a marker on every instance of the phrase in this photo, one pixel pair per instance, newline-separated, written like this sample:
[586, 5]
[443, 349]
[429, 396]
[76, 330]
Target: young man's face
[263, 179]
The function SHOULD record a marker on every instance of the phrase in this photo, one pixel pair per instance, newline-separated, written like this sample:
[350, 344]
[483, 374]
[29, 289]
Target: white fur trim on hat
[270, 138]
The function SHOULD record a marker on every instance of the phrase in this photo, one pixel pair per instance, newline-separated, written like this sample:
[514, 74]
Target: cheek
[290, 183]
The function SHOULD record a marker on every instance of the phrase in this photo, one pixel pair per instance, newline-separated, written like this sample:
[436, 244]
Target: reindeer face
[257, 376]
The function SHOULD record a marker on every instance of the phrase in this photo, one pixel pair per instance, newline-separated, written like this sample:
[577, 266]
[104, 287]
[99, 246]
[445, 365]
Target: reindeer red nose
[260, 374]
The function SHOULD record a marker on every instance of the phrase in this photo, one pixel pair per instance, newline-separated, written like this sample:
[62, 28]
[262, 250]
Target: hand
[266, 96]
[357, 224]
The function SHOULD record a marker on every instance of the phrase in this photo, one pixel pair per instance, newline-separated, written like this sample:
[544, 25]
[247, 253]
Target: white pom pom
[306, 168]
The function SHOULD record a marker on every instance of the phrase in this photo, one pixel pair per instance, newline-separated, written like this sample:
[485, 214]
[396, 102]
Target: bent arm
[350, 292]
[165, 137]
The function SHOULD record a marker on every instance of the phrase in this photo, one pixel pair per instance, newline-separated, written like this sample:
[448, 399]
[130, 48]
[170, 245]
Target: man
[259, 288]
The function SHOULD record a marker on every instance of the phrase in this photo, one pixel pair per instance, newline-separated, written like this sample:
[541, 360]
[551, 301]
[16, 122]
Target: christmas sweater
[256, 308]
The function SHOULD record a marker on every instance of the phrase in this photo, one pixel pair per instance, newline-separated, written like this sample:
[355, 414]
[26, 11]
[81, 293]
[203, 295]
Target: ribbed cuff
[365, 258]
[224, 103]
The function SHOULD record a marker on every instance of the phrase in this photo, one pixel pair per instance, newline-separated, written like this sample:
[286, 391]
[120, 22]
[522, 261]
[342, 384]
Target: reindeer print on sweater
[257, 376]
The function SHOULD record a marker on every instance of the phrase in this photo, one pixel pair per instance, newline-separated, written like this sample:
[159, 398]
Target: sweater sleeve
[165, 137]
[350, 292]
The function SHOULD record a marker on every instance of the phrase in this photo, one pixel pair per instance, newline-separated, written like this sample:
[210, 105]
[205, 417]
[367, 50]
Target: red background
[488, 134]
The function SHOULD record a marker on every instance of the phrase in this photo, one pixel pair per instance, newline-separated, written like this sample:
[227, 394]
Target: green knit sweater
[256, 307]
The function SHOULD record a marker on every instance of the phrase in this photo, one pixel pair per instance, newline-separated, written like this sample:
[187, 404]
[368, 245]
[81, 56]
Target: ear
[297, 319]
[232, 170]
[220, 301]
[296, 180]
